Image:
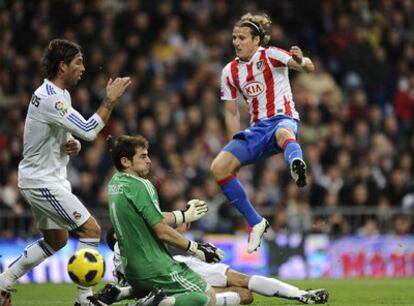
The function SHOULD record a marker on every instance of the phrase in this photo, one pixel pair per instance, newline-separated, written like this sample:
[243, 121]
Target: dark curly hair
[57, 51]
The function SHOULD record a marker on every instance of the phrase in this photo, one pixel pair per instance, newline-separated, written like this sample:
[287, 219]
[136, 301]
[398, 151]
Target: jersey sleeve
[228, 90]
[278, 57]
[57, 112]
[145, 199]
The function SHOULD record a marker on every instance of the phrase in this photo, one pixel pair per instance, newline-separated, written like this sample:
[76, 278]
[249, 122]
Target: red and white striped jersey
[263, 82]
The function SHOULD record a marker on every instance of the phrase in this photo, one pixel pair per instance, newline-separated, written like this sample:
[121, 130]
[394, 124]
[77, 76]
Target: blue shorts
[259, 141]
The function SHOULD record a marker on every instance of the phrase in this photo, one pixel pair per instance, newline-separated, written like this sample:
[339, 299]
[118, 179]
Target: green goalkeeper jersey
[134, 209]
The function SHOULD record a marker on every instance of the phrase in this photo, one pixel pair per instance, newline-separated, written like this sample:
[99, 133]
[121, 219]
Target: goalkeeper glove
[195, 210]
[205, 251]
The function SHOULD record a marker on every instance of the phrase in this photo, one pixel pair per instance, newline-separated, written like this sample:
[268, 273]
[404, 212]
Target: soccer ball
[86, 267]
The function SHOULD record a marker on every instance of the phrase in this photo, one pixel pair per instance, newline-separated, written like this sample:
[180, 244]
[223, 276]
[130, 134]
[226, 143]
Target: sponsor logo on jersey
[253, 88]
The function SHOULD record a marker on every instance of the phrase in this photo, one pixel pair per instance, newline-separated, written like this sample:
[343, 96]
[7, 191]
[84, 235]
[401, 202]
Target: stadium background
[357, 113]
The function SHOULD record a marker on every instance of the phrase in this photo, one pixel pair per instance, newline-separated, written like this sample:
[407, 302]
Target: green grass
[355, 292]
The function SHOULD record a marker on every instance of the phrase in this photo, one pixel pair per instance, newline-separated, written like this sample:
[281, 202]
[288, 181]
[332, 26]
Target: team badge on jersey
[259, 65]
[77, 215]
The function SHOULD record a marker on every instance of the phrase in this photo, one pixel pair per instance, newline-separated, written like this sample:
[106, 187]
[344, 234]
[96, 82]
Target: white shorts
[56, 207]
[214, 274]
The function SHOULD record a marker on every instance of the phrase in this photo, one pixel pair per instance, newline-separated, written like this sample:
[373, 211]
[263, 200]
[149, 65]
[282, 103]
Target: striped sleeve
[278, 57]
[228, 90]
[57, 112]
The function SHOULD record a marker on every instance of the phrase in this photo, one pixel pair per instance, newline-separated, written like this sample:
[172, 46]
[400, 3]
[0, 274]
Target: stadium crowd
[357, 108]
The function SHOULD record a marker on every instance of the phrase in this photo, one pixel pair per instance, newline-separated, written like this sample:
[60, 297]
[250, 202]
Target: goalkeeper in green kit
[142, 231]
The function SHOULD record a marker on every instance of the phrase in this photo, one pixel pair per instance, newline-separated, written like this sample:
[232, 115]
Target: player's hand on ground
[116, 88]
[297, 54]
[72, 147]
[205, 252]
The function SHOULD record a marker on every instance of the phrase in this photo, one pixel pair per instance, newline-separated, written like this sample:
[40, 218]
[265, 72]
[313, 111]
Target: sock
[234, 191]
[227, 298]
[125, 293]
[291, 150]
[272, 287]
[32, 256]
[88, 243]
[84, 292]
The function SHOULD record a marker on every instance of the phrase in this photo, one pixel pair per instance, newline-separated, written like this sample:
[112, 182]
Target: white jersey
[263, 82]
[50, 123]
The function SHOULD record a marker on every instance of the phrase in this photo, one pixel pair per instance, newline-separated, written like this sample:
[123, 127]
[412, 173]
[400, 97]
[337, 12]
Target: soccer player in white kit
[259, 76]
[48, 142]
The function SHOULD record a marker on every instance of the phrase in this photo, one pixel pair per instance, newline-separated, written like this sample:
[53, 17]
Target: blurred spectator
[402, 225]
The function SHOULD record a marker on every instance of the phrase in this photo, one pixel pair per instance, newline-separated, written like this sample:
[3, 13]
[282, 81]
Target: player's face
[74, 70]
[141, 163]
[244, 43]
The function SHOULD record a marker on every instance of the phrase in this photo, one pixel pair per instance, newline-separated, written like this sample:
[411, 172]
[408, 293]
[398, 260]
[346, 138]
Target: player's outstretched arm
[195, 210]
[114, 90]
[299, 62]
[204, 251]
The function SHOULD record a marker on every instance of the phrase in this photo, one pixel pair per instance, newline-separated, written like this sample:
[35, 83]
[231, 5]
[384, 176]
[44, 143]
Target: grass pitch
[355, 292]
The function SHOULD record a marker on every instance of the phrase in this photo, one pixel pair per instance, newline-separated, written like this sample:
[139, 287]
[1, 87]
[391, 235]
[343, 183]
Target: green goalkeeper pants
[187, 287]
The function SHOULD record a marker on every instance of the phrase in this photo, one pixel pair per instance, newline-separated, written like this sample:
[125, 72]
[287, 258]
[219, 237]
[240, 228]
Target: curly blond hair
[259, 25]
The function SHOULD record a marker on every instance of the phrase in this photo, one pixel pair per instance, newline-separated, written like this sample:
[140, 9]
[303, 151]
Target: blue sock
[292, 150]
[234, 191]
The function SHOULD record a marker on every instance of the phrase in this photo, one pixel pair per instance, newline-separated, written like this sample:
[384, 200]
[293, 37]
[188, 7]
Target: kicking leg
[224, 168]
[89, 236]
[31, 257]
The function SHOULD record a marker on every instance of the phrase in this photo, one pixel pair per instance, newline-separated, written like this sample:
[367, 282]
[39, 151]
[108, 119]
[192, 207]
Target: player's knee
[284, 134]
[211, 294]
[246, 297]
[90, 229]
[220, 168]
[95, 231]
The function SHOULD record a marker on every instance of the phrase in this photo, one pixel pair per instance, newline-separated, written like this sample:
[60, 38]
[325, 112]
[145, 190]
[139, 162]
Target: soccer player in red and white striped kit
[258, 75]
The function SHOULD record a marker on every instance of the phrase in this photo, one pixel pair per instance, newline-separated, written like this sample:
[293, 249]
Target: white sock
[32, 256]
[125, 293]
[272, 287]
[84, 292]
[90, 243]
[227, 298]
